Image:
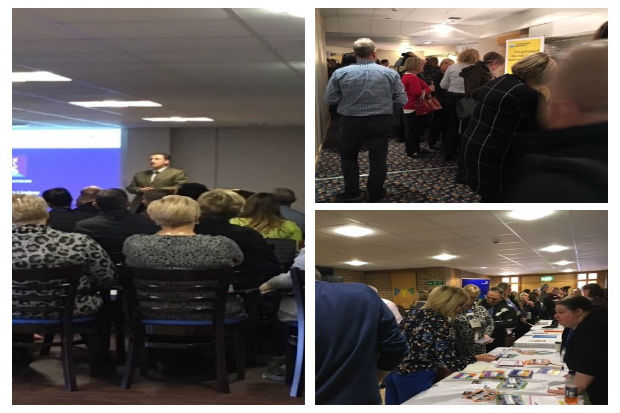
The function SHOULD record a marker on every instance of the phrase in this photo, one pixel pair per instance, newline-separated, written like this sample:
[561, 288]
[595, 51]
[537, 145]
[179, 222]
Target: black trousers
[452, 137]
[415, 128]
[374, 131]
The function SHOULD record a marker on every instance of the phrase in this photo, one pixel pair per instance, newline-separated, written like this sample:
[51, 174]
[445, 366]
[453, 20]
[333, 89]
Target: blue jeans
[399, 388]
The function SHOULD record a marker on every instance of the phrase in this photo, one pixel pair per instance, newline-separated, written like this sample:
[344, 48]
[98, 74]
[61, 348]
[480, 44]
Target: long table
[450, 391]
[540, 336]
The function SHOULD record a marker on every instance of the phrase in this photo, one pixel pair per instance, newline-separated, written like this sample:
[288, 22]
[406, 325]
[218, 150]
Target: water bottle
[570, 389]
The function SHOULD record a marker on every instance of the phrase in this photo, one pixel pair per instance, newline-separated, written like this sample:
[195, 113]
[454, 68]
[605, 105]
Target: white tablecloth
[552, 336]
[450, 391]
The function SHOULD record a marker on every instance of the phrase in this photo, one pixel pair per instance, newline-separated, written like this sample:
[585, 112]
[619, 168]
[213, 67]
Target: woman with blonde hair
[507, 106]
[473, 326]
[431, 345]
[416, 89]
[217, 207]
[261, 212]
[454, 85]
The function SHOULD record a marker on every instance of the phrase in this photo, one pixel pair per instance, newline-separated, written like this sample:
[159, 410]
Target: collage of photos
[162, 172]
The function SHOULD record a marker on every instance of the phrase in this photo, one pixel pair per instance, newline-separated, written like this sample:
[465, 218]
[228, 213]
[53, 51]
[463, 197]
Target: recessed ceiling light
[506, 273]
[483, 268]
[117, 104]
[441, 28]
[554, 248]
[568, 270]
[356, 263]
[353, 231]
[563, 262]
[178, 119]
[37, 77]
[428, 42]
[530, 214]
[444, 257]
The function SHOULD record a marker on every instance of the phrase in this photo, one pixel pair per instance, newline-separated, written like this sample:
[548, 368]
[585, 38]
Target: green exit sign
[436, 282]
[547, 278]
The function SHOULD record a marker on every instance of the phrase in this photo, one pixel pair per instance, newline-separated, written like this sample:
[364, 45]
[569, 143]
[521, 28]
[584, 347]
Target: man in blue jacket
[356, 334]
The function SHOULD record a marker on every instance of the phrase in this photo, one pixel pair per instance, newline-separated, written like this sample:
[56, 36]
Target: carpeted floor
[429, 179]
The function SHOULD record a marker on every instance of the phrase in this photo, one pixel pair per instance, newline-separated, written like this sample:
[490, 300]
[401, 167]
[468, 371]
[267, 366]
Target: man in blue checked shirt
[366, 94]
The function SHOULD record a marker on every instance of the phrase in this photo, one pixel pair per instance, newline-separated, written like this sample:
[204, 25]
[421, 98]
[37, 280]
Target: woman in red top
[414, 87]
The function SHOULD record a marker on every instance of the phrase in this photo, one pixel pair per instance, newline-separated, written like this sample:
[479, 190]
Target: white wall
[254, 159]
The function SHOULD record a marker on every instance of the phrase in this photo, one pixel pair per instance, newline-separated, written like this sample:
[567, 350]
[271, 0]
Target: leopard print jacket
[36, 246]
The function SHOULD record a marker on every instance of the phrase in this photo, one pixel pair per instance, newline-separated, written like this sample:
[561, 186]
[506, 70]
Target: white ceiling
[389, 28]
[241, 67]
[407, 239]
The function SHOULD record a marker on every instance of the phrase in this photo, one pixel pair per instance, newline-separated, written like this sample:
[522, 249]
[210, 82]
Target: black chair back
[285, 251]
[113, 245]
[45, 293]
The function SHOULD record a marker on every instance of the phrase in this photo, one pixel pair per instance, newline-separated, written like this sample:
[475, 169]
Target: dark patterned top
[37, 246]
[182, 252]
[466, 334]
[431, 343]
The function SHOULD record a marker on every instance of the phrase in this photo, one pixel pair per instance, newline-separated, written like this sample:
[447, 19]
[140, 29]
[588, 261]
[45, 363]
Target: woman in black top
[506, 106]
[586, 346]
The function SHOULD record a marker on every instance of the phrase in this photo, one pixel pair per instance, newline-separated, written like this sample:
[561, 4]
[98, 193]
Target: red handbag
[427, 105]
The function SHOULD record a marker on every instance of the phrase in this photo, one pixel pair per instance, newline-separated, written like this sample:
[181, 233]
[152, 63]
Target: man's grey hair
[363, 47]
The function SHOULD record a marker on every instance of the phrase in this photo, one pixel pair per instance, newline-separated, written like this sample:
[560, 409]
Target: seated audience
[504, 317]
[568, 161]
[191, 189]
[286, 197]
[432, 350]
[473, 325]
[217, 207]
[114, 219]
[510, 107]
[36, 245]
[150, 196]
[261, 212]
[596, 294]
[61, 216]
[355, 334]
[177, 246]
[585, 341]
[86, 200]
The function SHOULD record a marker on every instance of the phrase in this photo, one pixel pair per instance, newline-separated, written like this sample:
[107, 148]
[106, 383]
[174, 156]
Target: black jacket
[259, 262]
[475, 75]
[64, 219]
[504, 317]
[116, 223]
[563, 165]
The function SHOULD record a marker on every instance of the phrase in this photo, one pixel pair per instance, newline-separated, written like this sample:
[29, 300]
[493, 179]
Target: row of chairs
[171, 309]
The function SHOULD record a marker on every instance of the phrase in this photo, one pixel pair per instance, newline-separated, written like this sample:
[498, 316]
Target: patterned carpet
[428, 179]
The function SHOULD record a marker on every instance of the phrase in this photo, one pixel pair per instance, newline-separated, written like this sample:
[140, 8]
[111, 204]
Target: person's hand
[488, 337]
[557, 392]
[485, 357]
[146, 188]
[432, 88]
[263, 287]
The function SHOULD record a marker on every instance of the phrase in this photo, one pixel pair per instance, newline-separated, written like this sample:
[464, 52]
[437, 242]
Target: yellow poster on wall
[517, 49]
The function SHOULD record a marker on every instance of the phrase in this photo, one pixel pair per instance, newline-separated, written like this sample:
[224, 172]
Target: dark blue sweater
[356, 334]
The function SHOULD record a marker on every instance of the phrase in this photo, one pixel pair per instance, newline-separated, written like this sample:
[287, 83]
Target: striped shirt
[365, 89]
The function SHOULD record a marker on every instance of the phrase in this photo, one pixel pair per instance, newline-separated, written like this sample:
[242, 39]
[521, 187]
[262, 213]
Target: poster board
[517, 49]
[482, 283]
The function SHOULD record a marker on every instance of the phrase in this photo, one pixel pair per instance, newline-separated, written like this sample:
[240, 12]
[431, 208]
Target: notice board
[517, 49]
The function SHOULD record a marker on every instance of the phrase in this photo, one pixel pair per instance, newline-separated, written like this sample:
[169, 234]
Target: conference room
[436, 271]
[162, 106]
[436, 129]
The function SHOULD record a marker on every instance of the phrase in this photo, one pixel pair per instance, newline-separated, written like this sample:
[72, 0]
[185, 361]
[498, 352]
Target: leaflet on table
[533, 352]
[550, 371]
[515, 383]
[509, 363]
[464, 376]
[525, 374]
[493, 374]
[479, 396]
[509, 399]
[537, 362]
[545, 336]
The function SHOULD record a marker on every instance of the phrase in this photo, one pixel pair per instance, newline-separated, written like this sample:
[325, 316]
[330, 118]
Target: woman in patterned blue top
[432, 345]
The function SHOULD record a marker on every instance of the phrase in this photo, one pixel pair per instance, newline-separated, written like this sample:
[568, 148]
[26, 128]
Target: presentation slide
[481, 283]
[68, 158]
